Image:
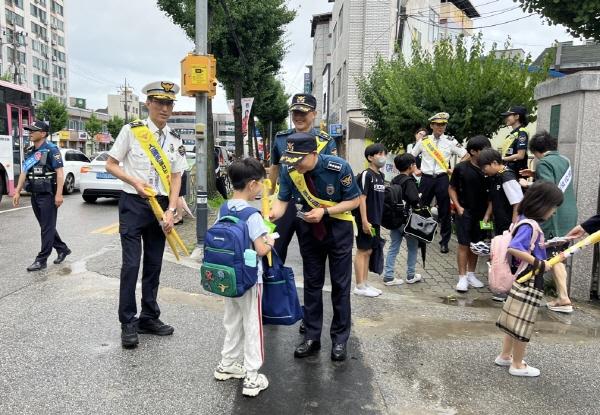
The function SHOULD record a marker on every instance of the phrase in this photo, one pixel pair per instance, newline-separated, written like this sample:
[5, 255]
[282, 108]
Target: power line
[477, 27]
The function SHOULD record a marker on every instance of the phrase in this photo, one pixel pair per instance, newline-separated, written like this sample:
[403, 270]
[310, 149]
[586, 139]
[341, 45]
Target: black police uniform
[333, 180]
[41, 183]
[521, 140]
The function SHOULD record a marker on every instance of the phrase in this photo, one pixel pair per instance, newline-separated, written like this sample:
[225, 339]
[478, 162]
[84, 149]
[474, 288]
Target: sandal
[565, 308]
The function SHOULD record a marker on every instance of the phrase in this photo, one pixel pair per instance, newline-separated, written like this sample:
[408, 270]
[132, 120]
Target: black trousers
[45, 212]
[286, 227]
[136, 224]
[438, 187]
[337, 246]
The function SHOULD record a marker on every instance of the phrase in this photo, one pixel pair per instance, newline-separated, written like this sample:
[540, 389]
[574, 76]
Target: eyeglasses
[164, 103]
[438, 124]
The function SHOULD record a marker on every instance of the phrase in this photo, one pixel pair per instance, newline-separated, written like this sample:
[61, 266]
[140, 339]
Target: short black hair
[373, 149]
[542, 142]
[421, 129]
[241, 172]
[404, 161]
[488, 156]
[477, 143]
[539, 198]
[523, 119]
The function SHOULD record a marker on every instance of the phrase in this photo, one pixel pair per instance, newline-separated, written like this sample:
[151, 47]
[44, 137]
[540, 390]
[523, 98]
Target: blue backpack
[229, 267]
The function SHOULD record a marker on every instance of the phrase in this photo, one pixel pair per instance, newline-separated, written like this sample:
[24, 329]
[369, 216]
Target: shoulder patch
[334, 165]
[57, 156]
[346, 181]
[285, 132]
[136, 123]
[181, 150]
[174, 134]
[324, 136]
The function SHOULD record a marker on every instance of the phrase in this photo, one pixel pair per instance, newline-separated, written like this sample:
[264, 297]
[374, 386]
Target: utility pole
[201, 128]
[125, 92]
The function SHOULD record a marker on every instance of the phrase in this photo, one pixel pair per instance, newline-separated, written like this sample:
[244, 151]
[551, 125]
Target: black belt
[160, 198]
[435, 176]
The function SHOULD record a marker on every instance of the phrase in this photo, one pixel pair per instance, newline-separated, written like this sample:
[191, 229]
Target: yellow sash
[434, 152]
[155, 153]
[509, 140]
[314, 201]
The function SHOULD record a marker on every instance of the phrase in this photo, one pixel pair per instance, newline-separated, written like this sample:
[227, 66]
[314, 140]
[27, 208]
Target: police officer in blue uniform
[303, 113]
[324, 231]
[43, 172]
[137, 222]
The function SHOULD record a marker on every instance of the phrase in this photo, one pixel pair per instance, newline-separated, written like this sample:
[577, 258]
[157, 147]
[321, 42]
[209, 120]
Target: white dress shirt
[447, 148]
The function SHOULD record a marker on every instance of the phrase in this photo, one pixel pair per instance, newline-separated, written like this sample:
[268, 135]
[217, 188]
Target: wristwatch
[173, 211]
[325, 212]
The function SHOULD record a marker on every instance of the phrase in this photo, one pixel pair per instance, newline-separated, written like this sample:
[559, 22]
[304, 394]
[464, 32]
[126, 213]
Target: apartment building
[33, 47]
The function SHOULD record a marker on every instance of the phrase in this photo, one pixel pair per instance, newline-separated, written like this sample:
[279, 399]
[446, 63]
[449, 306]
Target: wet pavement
[417, 349]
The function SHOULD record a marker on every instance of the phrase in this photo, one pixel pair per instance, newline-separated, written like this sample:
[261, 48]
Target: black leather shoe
[36, 266]
[302, 328]
[154, 326]
[129, 336]
[307, 348]
[444, 249]
[61, 256]
[338, 352]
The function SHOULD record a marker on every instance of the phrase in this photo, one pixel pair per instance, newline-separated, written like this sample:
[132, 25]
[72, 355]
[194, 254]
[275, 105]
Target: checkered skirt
[520, 310]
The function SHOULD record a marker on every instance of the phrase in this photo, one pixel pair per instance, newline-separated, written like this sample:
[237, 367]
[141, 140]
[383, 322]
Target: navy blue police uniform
[286, 225]
[41, 166]
[334, 181]
[517, 140]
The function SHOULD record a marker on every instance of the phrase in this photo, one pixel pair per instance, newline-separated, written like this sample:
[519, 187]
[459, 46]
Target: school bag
[229, 267]
[500, 274]
[395, 210]
[280, 304]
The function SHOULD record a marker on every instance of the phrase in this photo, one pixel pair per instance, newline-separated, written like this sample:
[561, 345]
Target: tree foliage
[114, 126]
[581, 17]
[93, 126]
[54, 112]
[473, 87]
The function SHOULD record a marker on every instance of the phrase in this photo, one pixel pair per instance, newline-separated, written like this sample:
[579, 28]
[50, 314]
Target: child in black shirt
[368, 216]
[469, 193]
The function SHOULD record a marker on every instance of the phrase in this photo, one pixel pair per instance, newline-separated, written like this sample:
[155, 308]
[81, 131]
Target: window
[39, 13]
[555, 120]
[14, 18]
[341, 21]
[57, 55]
[333, 89]
[40, 64]
[339, 82]
[20, 57]
[57, 39]
[434, 25]
[39, 30]
[56, 23]
[102, 157]
[334, 36]
[59, 71]
[57, 8]
[40, 96]
[18, 3]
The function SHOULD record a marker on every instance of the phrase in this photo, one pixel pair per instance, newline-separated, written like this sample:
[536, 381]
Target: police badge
[330, 189]
[346, 180]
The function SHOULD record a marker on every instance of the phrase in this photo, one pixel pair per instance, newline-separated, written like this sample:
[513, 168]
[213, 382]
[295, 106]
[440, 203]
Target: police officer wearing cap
[141, 147]
[303, 114]
[43, 176]
[328, 192]
[514, 148]
[435, 171]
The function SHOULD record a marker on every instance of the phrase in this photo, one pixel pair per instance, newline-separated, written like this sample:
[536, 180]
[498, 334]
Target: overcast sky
[111, 40]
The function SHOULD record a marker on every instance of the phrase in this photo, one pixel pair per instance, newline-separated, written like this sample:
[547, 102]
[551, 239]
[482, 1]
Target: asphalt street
[411, 352]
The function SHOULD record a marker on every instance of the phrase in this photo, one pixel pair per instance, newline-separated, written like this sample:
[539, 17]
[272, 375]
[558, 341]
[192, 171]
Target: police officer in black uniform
[324, 232]
[43, 172]
[514, 148]
[303, 113]
[137, 222]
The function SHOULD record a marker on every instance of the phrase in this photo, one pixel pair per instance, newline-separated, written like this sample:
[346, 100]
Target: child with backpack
[468, 191]
[368, 217]
[526, 248]
[409, 194]
[242, 318]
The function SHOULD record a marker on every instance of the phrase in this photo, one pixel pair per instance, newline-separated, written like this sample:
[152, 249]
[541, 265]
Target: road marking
[12, 210]
[108, 230]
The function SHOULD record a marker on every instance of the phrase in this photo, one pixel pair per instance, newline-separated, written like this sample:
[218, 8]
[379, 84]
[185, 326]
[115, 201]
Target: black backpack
[395, 210]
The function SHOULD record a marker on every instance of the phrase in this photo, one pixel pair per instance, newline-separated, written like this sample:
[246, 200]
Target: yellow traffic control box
[198, 75]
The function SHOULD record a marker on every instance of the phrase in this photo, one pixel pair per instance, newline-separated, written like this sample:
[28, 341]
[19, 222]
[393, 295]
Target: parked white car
[73, 162]
[97, 182]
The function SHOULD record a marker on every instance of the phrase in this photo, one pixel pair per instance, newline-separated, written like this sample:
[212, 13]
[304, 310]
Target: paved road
[413, 351]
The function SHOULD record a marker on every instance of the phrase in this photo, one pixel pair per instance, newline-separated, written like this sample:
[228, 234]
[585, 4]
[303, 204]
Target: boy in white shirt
[242, 318]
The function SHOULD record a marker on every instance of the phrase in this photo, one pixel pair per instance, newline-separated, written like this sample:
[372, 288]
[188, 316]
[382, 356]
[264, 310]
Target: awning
[358, 130]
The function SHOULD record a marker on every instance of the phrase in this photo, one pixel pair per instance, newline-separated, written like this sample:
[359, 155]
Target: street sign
[335, 130]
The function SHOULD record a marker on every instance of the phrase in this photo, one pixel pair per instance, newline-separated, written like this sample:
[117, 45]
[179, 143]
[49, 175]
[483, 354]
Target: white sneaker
[414, 279]
[503, 362]
[527, 371]
[234, 371]
[463, 285]
[377, 290]
[365, 292]
[395, 281]
[252, 387]
[474, 282]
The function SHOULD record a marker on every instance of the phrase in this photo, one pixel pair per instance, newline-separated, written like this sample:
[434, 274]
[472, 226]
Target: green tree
[54, 112]
[473, 87]
[114, 126]
[271, 108]
[581, 17]
[92, 128]
[246, 37]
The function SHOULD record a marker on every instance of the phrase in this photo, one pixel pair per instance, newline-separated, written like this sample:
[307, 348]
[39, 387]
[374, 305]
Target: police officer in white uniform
[137, 222]
[435, 178]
